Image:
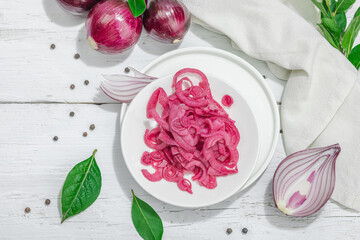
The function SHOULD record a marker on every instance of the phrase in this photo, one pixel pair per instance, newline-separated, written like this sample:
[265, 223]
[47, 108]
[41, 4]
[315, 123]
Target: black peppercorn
[71, 114]
[264, 76]
[72, 86]
[47, 202]
[56, 138]
[27, 210]
[127, 70]
[92, 126]
[244, 230]
[85, 134]
[86, 82]
[52, 46]
[229, 231]
[77, 56]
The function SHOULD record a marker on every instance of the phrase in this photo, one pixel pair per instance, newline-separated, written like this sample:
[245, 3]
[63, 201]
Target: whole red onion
[166, 20]
[77, 6]
[111, 27]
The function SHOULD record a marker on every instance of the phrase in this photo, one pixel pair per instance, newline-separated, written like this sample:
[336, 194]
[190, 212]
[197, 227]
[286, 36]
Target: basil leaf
[146, 221]
[343, 5]
[354, 56]
[328, 36]
[350, 35]
[341, 20]
[321, 7]
[137, 7]
[81, 188]
[332, 27]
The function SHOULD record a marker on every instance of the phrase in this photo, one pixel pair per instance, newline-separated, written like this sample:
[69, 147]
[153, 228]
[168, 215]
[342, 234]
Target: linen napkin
[321, 101]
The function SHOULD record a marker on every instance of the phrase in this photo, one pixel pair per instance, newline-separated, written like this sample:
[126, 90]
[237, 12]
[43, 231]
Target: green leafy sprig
[333, 26]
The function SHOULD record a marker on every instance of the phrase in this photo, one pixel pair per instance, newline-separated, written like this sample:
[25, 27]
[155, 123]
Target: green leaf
[81, 188]
[333, 5]
[321, 7]
[328, 36]
[137, 7]
[357, 13]
[354, 56]
[330, 8]
[340, 20]
[328, 4]
[343, 5]
[332, 27]
[146, 221]
[350, 34]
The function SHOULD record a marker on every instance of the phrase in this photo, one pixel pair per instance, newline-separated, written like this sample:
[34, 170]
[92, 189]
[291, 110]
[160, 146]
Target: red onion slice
[305, 180]
[124, 88]
[184, 185]
[227, 100]
[152, 177]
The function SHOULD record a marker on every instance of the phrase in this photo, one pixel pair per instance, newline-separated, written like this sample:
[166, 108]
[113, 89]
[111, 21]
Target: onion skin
[77, 7]
[166, 20]
[305, 180]
[112, 28]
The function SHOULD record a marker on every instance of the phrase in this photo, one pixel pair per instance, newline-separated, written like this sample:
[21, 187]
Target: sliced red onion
[77, 7]
[167, 20]
[305, 180]
[227, 100]
[185, 185]
[123, 88]
[194, 134]
[111, 27]
[152, 177]
[145, 158]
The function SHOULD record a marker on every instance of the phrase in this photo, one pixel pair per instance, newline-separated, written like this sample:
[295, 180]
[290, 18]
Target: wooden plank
[33, 168]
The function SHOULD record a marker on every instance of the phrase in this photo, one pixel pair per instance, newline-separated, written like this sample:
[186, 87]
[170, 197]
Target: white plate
[242, 76]
[132, 134]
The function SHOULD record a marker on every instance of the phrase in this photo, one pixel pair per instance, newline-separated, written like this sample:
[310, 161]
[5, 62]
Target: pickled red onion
[194, 134]
[227, 100]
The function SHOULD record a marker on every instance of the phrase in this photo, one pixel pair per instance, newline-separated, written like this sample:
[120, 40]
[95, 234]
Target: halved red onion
[77, 7]
[167, 20]
[123, 88]
[305, 180]
[111, 27]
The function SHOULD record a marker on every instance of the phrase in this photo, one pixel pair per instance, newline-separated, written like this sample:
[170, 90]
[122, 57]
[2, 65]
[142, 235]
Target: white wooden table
[35, 102]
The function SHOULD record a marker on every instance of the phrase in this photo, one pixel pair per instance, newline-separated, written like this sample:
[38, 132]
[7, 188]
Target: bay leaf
[147, 222]
[81, 188]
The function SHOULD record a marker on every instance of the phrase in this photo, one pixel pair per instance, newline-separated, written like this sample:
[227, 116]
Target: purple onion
[166, 20]
[305, 180]
[124, 88]
[77, 7]
[111, 27]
